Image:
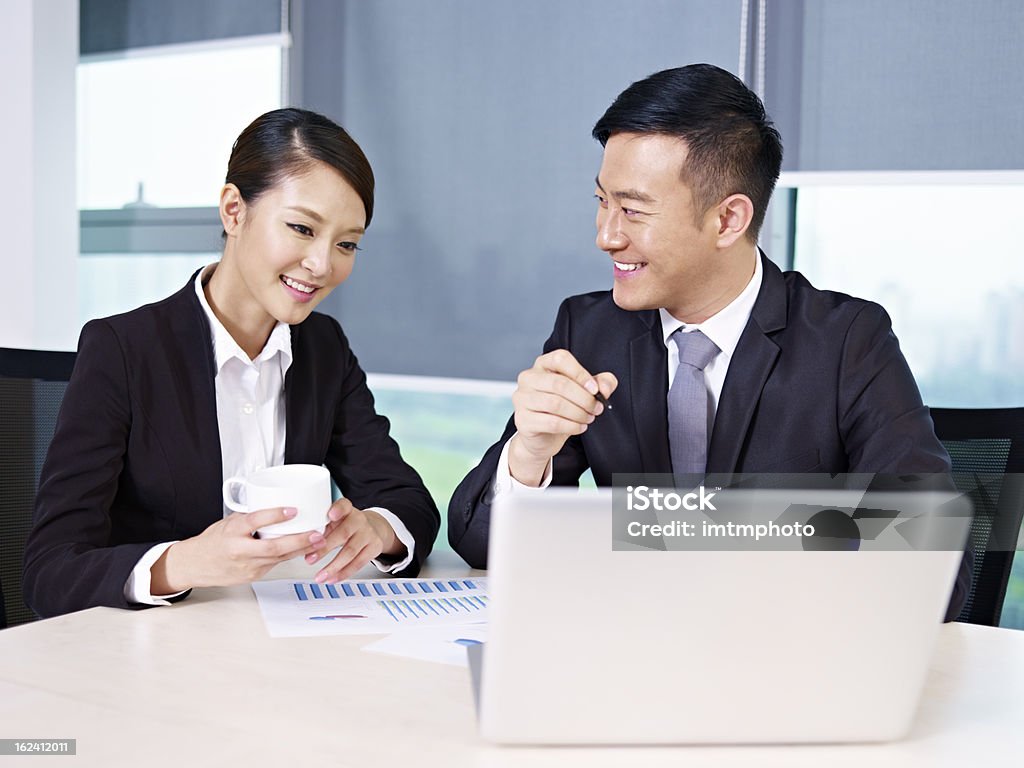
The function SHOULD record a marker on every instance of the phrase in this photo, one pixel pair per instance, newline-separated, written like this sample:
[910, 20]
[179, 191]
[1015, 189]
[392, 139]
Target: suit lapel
[753, 361]
[751, 365]
[303, 416]
[648, 378]
[295, 425]
[198, 434]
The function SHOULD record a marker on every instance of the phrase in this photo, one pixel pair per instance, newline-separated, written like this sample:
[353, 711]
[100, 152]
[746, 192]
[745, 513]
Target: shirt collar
[725, 326]
[226, 348]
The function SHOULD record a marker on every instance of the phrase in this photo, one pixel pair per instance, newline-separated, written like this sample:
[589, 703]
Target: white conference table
[201, 683]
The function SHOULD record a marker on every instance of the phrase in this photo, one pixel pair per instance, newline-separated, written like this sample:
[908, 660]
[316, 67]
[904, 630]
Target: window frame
[156, 230]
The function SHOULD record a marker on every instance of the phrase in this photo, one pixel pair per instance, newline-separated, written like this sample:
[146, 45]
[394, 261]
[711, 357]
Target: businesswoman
[233, 373]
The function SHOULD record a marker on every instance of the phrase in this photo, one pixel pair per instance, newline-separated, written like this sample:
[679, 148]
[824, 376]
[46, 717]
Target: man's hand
[553, 401]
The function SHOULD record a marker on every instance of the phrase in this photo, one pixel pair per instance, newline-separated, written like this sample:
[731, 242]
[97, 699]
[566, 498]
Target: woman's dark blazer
[136, 457]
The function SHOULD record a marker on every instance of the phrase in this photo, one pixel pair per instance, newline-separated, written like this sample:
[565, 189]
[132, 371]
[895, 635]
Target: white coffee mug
[305, 487]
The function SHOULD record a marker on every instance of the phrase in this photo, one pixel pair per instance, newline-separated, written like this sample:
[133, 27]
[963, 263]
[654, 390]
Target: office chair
[32, 385]
[986, 447]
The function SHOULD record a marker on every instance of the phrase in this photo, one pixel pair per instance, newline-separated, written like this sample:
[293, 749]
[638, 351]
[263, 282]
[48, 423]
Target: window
[111, 283]
[947, 266]
[156, 130]
[1013, 604]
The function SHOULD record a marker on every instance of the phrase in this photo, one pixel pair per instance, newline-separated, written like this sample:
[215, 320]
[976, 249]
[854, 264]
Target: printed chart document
[293, 608]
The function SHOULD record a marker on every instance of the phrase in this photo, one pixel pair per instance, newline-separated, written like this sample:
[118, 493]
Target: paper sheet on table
[293, 608]
[440, 644]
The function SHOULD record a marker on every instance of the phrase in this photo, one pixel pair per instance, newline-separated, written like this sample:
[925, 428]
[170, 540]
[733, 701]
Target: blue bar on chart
[446, 591]
[416, 605]
[432, 608]
[412, 609]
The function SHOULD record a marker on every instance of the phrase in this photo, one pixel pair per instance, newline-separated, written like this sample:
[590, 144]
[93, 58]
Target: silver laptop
[587, 645]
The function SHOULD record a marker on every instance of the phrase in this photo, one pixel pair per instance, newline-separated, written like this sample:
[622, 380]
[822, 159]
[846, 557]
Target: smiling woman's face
[290, 248]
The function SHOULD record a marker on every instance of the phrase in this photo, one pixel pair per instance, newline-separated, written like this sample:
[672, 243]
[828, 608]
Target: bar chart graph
[367, 606]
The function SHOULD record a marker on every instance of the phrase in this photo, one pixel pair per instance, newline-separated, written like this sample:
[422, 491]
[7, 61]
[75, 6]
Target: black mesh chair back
[32, 385]
[986, 447]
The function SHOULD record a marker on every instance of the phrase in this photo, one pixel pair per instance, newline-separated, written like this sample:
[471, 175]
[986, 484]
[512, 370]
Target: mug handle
[229, 497]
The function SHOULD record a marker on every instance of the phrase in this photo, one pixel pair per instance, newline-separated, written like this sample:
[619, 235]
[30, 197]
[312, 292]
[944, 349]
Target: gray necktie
[688, 403]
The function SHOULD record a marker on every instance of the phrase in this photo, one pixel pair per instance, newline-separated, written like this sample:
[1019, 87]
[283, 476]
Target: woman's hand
[362, 536]
[226, 553]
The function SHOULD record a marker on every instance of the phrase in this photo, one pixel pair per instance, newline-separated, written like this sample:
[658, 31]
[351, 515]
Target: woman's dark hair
[288, 141]
[733, 147]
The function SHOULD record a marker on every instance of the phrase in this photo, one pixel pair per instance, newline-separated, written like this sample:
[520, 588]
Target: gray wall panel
[911, 85]
[477, 118]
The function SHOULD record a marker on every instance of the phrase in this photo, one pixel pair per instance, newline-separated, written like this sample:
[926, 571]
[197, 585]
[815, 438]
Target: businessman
[711, 357]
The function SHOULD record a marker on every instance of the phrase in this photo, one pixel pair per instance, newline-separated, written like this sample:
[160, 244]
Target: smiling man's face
[663, 255]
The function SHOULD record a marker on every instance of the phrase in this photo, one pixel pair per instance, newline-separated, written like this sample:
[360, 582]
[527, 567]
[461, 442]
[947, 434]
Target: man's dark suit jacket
[817, 384]
[136, 456]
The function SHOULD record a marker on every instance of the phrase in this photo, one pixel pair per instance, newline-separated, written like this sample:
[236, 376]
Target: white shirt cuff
[505, 483]
[403, 536]
[137, 588]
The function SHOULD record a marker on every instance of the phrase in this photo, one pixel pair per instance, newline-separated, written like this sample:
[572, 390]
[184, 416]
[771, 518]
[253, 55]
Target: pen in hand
[603, 401]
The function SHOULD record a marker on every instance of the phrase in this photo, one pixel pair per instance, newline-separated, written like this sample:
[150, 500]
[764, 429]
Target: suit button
[247, 409]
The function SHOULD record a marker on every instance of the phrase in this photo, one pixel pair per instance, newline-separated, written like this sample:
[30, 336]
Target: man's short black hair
[733, 146]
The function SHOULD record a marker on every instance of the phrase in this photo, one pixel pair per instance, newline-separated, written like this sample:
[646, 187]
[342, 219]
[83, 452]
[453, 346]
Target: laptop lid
[593, 646]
